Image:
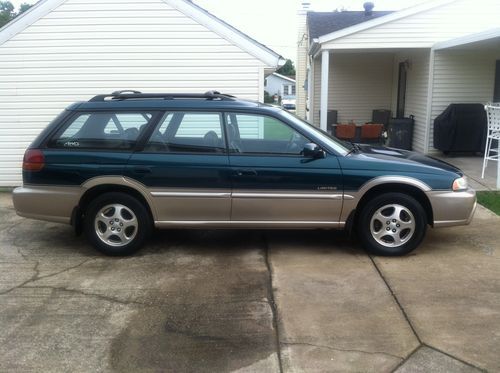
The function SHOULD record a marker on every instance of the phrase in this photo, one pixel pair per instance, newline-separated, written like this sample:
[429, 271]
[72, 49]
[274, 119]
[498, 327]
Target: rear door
[272, 182]
[185, 166]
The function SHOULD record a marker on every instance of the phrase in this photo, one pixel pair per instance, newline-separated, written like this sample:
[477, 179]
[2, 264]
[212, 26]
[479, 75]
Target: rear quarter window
[102, 130]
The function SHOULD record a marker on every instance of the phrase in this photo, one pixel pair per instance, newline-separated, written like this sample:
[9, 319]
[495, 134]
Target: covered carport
[467, 70]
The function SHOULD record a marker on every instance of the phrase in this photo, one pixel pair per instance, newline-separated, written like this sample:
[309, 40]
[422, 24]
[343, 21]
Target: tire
[117, 224]
[392, 224]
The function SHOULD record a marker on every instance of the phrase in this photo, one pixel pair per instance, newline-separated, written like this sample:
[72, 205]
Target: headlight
[460, 184]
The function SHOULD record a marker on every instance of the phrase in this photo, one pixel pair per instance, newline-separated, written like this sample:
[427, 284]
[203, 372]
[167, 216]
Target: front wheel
[392, 224]
[117, 224]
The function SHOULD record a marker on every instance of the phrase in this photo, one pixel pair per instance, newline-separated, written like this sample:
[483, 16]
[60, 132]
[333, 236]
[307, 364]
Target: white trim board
[19, 24]
[283, 77]
[259, 51]
[468, 39]
[384, 19]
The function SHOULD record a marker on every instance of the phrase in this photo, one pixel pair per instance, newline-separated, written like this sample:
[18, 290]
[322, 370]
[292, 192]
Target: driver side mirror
[312, 150]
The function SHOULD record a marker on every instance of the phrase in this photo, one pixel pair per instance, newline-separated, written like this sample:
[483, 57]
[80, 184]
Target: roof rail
[131, 94]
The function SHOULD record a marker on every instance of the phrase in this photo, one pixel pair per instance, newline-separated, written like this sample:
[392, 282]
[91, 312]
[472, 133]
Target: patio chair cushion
[371, 131]
[346, 131]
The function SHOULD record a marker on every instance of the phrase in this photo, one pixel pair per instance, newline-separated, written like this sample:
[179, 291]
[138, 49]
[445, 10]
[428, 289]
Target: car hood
[403, 158]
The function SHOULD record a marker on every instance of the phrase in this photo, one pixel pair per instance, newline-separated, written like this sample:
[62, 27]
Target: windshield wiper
[355, 148]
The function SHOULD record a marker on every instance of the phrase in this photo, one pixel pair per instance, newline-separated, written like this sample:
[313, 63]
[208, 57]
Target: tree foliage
[287, 69]
[268, 99]
[23, 8]
[8, 13]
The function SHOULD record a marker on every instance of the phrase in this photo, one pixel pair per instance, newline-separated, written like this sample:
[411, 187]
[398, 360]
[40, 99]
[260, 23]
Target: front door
[185, 167]
[273, 184]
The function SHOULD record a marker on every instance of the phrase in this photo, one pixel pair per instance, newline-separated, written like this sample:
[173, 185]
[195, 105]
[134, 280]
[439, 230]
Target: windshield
[338, 145]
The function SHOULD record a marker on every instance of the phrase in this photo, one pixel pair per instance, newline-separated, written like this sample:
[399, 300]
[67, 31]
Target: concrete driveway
[248, 301]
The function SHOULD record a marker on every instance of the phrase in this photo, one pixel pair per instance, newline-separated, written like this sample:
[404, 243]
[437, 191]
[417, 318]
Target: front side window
[102, 130]
[260, 134]
[188, 132]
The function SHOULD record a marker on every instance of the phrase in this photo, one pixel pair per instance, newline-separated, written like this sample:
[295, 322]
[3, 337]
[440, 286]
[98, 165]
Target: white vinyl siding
[416, 92]
[88, 47]
[358, 84]
[424, 29]
[465, 76]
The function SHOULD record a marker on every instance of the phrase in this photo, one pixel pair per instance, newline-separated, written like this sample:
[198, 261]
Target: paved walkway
[472, 167]
[248, 301]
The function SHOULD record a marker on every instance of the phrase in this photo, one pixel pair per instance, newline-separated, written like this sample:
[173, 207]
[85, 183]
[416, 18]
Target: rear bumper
[48, 203]
[452, 208]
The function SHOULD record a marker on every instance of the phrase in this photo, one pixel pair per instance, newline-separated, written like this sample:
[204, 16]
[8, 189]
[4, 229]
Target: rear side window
[102, 130]
[188, 132]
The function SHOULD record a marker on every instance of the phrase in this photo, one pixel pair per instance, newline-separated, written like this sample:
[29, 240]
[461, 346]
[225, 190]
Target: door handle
[142, 170]
[246, 173]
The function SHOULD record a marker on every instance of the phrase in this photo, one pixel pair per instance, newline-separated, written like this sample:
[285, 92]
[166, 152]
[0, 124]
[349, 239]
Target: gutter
[314, 48]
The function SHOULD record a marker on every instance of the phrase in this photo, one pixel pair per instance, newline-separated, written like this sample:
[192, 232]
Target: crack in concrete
[341, 349]
[10, 227]
[37, 276]
[454, 357]
[22, 255]
[85, 294]
[407, 318]
[404, 360]
[405, 315]
[65, 270]
[190, 334]
[272, 302]
[31, 279]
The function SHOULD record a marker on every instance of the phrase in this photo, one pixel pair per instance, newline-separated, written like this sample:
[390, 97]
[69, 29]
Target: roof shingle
[323, 23]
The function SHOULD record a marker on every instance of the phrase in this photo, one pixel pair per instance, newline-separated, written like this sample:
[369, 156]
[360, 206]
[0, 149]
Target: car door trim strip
[288, 195]
[192, 194]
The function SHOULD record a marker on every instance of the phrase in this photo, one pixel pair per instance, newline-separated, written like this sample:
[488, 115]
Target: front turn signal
[460, 184]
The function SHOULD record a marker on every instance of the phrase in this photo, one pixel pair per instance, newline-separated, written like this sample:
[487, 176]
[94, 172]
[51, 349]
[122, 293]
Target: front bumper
[452, 208]
[50, 203]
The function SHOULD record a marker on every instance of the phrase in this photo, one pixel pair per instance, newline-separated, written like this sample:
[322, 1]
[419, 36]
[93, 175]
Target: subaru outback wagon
[121, 164]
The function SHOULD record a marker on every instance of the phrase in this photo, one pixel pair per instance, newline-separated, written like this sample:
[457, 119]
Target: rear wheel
[117, 224]
[392, 224]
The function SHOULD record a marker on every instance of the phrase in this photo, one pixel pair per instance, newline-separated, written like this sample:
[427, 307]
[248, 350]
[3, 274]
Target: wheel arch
[108, 184]
[395, 187]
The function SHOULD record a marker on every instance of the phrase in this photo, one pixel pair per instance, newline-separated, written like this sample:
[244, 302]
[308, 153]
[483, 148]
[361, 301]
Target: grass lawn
[490, 200]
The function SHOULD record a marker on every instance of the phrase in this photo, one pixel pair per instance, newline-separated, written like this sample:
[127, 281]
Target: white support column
[498, 165]
[325, 67]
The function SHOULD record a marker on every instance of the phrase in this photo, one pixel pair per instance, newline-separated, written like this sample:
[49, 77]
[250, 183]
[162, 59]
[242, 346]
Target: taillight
[34, 160]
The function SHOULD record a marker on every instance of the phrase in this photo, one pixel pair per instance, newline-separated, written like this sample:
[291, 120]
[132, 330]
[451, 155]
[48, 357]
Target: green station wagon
[119, 165]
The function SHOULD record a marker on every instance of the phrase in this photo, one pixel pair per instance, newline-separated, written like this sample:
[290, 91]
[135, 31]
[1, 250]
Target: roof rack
[130, 94]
